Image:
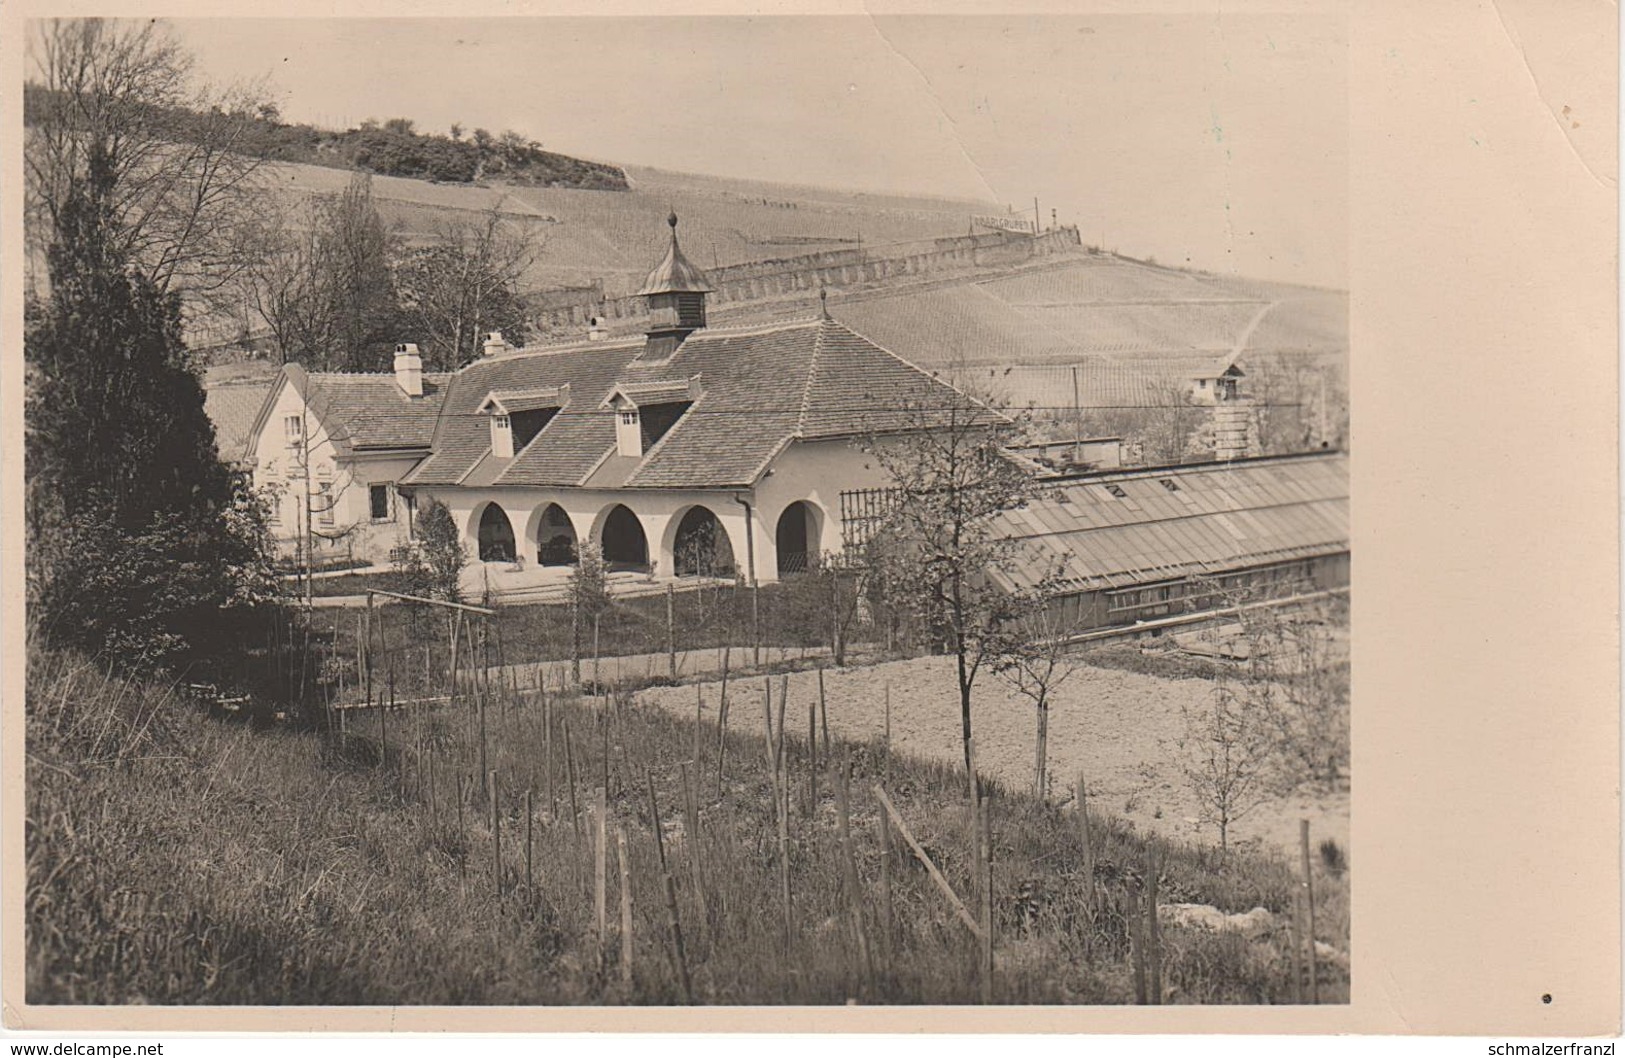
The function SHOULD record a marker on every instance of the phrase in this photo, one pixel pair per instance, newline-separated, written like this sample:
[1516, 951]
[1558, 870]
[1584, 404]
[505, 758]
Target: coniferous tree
[138, 535]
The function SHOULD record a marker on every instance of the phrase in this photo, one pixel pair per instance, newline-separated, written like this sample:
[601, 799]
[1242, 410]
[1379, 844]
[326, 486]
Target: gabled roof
[509, 401]
[234, 407]
[363, 412]
[1142, 526]
[763, 388]
[639, 394]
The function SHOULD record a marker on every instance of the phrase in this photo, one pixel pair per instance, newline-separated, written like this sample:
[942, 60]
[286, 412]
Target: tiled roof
[641, 393]
[517, 400]
[761, 387]
[233, 407]
[371, 411]
[1218, 516]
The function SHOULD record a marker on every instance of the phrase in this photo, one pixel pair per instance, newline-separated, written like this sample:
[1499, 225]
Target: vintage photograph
[700, 511]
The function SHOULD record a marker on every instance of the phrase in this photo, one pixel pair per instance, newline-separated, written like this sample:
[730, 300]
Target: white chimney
[596, 331]
[1233, 429]
[409, 369]
[494, 345]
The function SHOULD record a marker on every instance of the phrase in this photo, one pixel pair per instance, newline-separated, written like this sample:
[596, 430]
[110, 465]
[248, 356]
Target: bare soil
[1118, 729]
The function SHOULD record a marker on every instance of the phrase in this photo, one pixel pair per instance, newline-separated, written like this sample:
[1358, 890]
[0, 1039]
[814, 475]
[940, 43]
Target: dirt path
[1118, 727]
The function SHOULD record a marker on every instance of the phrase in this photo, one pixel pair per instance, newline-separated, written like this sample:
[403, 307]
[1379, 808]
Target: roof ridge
[812, 373]
[578, 345]
[916, 368]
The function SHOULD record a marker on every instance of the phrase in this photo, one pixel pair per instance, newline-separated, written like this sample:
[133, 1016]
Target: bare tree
[322, 282]
[1226, 755]
[1298, 679]
[938, 554]
[464, 283]
[1035, 664]
[181, 158]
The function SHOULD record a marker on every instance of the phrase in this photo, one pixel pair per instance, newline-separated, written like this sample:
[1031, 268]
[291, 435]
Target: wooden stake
[674, 924]
[1309, 903]
[722, 717]
[530, 884]
[547, 740]
[1088, 848]
[849, 876]
[823, 713]
[691, 820]
[462, 829]
[812, 759]
[779, 821]
[600, 869]
[931, 868]
[984, 848]
[626, 904]
[1136, 929]
[383, 720]
[496, 836]
[885, 889]
[699, 719]
[1153, 928]
[570, 780]
[885, 764]
[479, 708]
[671, 630]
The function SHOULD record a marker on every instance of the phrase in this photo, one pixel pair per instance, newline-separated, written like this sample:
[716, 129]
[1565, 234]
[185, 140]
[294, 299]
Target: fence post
[823, 711]
[600, 868]
[530, 885]
[496, 835]
[1309, 902]
[1153, 928]
[849, 875]
[1088, 848]
[984, 846]
[671, 630]
[673, 922]
[626, 904]
[691, 820]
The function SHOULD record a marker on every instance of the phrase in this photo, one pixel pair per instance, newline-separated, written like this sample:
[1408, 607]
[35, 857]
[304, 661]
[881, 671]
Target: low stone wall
[571, 311]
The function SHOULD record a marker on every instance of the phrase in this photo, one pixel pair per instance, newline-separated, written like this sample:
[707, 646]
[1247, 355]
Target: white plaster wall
[277, 468]
[816, 472]
[657, 511]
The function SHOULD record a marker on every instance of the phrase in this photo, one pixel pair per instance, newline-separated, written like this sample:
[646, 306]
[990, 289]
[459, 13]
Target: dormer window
[646, 411]
[628, 434]
[517, 416]
[501, 436]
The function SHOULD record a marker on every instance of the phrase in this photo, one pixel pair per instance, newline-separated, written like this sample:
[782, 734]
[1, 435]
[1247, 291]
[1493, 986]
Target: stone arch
[697, 544]
[494, 535]
[555, 536]
[796, 537]
[625, 545]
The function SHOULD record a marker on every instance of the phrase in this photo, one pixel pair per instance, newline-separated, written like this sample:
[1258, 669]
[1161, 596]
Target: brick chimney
[409, 369]
[495, 345]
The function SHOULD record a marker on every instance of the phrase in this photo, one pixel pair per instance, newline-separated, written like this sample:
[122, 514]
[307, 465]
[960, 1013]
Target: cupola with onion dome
[676, 291]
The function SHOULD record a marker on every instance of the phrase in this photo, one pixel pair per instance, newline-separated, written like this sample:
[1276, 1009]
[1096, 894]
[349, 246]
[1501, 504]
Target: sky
[1217, 142]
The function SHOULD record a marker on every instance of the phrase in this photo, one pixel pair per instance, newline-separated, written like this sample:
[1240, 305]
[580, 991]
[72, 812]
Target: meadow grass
[174, 857]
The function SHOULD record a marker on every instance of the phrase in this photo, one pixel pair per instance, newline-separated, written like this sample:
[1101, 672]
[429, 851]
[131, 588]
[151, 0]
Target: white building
[687, 449]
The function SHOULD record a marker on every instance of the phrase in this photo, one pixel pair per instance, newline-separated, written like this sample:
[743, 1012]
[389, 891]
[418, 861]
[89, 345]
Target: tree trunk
[1040, 766]
[964, 698]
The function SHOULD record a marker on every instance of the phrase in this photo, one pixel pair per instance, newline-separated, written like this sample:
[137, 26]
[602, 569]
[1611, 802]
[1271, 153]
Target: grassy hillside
[173, 858]
[587, 235]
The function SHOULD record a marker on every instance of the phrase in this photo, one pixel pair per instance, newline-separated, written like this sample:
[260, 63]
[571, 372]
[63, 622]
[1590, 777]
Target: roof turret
[675, 274]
